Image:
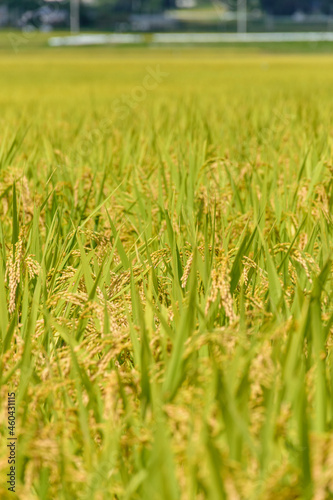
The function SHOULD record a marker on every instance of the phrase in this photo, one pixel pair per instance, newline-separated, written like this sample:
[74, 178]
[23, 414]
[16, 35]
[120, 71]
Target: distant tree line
[275, 7]
[288, 7]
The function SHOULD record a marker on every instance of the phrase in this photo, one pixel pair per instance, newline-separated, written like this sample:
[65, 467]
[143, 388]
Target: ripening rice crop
[166, 276]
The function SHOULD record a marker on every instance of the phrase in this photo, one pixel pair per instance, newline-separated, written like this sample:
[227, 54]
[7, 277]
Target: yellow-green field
[165, 274]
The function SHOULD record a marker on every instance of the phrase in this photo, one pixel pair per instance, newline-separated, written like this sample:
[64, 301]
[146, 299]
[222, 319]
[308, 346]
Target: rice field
[166, 274]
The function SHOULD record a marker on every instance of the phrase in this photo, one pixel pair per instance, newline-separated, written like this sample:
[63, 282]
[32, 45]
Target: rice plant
[166, 275]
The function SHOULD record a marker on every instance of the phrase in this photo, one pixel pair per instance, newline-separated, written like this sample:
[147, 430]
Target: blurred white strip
[167, 38]
[241, 37]
[78, 40]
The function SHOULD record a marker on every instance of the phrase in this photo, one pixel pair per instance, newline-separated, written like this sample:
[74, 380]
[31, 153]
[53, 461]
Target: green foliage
[288, 7]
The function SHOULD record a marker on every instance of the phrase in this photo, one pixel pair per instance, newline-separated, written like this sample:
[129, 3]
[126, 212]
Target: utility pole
[75, 16]
[242, 16]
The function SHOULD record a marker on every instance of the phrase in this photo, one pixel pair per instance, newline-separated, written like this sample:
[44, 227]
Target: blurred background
[168, 15]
